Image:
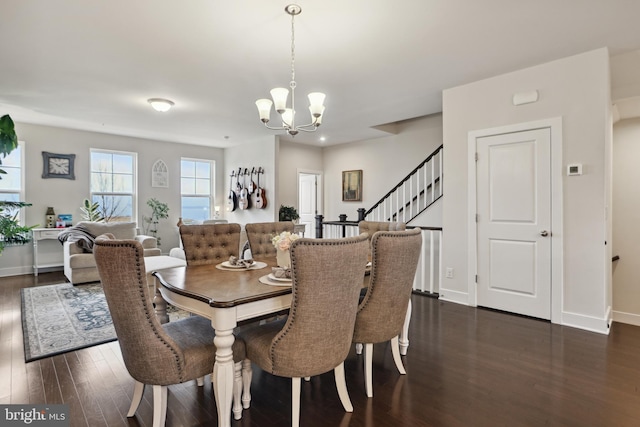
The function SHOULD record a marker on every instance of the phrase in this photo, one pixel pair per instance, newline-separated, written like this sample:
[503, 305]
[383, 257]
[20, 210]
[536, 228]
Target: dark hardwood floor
[465, 367]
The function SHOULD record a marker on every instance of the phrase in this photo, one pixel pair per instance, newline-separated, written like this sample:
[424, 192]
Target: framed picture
[352, 186]
[58, 165]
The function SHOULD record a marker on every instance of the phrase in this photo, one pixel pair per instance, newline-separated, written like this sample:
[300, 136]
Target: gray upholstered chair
[316, 336]
[155, 354]
[260, 234]
[210, 243]
[372, 227]
[381, 314]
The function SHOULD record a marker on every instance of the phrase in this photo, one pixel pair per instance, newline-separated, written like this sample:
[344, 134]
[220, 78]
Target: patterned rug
[61, 318]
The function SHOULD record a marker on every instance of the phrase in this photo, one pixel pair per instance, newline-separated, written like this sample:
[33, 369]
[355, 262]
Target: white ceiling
[93, 64]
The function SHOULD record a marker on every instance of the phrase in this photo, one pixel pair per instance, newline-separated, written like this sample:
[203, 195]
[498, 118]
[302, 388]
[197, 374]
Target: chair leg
[237, 390]
[307, 379]
[247, 374]
[138, 389]
[159, 405]
[295, 402]
[200, 381]
[341, 385]
[395, 350]
[368, 369]
[358, 348]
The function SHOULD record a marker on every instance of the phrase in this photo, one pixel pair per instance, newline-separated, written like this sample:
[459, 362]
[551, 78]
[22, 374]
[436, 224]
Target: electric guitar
[244, 192]
[259, 199]
[232, 201]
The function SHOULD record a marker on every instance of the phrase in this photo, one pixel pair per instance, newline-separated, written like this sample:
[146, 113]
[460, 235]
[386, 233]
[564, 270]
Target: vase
[283, 258]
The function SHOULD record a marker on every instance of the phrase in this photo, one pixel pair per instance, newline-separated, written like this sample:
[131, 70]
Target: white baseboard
[454, 296]
[589, 323]
[16, 271]
[629, 318]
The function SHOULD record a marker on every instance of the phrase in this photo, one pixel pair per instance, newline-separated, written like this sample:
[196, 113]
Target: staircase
[412, 195]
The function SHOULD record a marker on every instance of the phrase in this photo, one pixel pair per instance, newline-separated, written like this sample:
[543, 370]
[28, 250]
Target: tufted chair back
[382, 312]
[260, 234]
[372, 227]
[210, 243]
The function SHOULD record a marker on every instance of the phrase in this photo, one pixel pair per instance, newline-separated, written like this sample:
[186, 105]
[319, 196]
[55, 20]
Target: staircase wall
[384, 162]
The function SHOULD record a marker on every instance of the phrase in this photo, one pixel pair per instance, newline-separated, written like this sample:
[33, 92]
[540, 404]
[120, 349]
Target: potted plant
[11, 232]
[288, 213]
[8, 138]
[159, 211]
[91, 211]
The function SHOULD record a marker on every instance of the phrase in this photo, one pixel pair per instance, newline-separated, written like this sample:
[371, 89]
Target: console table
[44, 234]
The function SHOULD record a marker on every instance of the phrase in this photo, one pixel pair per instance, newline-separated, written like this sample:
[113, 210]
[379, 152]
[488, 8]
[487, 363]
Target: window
[114, 184]
[11, 184]
[196, 188]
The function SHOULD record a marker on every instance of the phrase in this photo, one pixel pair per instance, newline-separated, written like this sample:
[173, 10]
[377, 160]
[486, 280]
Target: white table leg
[404, 335]
[223, 368]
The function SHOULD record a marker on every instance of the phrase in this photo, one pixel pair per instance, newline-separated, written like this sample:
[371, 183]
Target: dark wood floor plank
[466, 366]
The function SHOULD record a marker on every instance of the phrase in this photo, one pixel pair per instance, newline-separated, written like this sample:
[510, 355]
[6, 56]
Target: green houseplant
[287, 213]
[91, 211]
[11, 232]
[159, 211]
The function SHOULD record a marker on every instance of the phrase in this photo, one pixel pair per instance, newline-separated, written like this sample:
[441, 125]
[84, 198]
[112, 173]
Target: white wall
[384, 162]
[626, 232]
[262, 153]
[66, 196]
[294, 156]
[578, 90]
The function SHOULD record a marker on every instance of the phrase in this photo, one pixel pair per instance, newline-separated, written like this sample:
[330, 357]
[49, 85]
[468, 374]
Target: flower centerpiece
[282, 243]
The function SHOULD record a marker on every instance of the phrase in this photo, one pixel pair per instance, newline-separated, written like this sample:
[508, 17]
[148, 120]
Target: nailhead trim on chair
[142, 281]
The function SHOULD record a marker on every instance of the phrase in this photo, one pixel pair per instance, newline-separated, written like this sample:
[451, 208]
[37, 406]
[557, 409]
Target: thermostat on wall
[575, 169]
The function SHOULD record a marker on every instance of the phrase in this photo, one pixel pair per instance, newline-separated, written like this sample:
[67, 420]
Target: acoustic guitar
[244, 192]
[238, 186]
[259, 199]
[252, 185]
[232, 201]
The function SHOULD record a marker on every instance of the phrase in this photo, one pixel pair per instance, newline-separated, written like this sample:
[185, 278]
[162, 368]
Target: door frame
[557, 265]
[319, 194]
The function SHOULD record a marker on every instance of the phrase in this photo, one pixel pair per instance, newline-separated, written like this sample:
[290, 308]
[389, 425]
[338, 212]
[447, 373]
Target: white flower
[283, 240]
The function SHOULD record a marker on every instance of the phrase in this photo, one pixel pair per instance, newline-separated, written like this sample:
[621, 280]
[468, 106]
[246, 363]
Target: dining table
[226, 296]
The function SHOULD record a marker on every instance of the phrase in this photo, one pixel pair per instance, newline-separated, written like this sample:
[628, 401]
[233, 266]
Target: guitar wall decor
[252, 185]
[244, 192]
[259, 198]
[232, 201]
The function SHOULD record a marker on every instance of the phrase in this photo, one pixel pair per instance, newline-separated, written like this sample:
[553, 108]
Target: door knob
[544, 233]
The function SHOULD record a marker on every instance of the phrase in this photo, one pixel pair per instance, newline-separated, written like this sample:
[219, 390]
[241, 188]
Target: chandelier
[280, 94]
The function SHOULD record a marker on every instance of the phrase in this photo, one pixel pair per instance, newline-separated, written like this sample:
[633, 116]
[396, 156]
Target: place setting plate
[226, 265]
[272, 280]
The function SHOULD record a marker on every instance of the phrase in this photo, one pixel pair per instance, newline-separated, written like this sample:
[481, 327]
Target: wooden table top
[220, 288]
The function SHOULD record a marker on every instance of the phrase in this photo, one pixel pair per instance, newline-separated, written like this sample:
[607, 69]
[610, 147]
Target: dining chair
[372, 227]
[210, 243]
[316, 336]
[155, 354]
[381, 313]
[259, 235]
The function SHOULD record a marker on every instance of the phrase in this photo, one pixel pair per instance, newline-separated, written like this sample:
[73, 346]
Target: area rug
[61, 318]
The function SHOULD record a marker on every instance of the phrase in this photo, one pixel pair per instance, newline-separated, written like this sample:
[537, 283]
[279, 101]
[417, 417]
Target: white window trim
[212, 185]
[134, 201]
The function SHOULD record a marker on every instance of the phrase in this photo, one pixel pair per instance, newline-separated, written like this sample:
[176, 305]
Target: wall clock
[58, 165]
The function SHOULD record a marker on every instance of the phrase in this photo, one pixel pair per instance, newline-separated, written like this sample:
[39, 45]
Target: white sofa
[80, 265]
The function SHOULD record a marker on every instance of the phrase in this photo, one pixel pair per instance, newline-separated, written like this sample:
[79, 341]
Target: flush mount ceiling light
[280, 94]
[160, 104]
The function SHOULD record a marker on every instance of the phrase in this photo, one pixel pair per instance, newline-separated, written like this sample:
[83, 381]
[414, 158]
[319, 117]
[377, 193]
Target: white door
[307, 202]
[514, 222]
